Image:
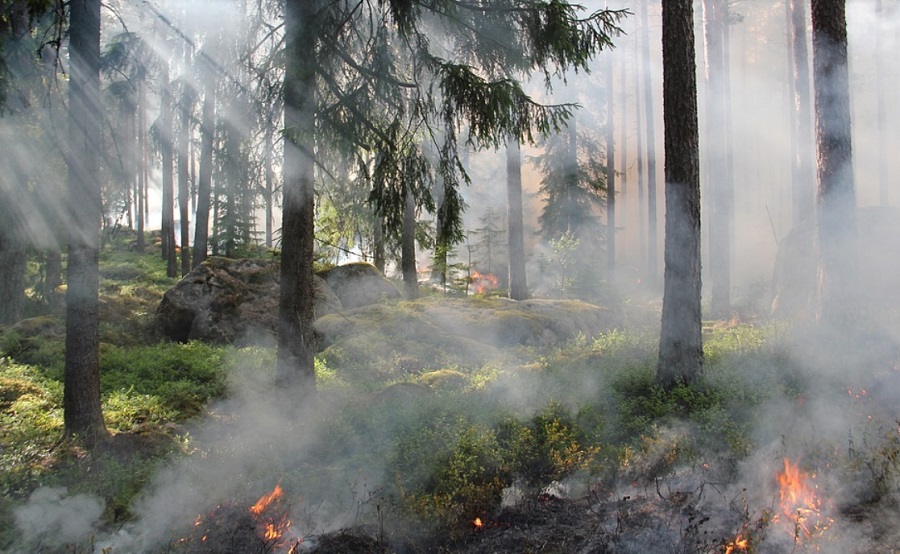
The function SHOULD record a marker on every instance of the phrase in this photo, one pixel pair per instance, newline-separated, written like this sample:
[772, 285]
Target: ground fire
[483, 282]
[262, 528]
[801, 507]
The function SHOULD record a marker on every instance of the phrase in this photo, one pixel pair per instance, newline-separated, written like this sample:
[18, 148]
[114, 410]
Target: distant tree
[610, 169]
[186, 101]
[573, 185]
[489, 236]
[518, 284]
[408, 265]
[720, 187]
[165, 134]
[82, 414]
[680, 341]
[650, 122]
[204, 179]
[837, 193]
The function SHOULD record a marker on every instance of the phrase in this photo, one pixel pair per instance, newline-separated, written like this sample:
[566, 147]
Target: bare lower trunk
[408, 249]
[680, 341]
[518, 286]
[82, 413]
[297, 342]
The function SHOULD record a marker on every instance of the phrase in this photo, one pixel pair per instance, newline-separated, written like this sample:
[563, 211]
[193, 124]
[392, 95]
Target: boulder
[794, 276]
[230, 301]
[359, 284]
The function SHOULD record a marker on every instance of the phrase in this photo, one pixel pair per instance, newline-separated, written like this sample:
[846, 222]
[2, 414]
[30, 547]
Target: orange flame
[266, 499]
[738, 543]
[477, 523]
[483, 282]
[800, 504]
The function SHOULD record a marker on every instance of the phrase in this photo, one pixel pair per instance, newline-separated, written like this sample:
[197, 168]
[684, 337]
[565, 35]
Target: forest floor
[788, 443]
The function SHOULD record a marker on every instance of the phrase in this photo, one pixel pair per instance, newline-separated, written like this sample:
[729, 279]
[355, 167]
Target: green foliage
[182, 376]
[547, 448]
[449, 472]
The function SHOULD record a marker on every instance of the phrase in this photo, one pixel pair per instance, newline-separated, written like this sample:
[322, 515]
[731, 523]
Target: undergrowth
[407, 433]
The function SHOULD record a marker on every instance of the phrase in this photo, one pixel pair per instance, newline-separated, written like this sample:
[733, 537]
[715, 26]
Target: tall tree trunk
[82, 414]
[378, 243]
[441, 243]
[168, 178]
[270, 182]
[680, 341]
[408, 248]
[639, 161]
[184, 145]
[12, 257]
[803, 154]
[573, 175]
[881, 105]
[297, 342]
[518, 286]
[652, 232]
[141, 163]
[836, 194]
[720, 187]
[204, 180]
[623, 144]
[610, 172]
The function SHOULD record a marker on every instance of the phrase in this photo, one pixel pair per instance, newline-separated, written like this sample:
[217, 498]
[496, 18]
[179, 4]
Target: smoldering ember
[457, 276]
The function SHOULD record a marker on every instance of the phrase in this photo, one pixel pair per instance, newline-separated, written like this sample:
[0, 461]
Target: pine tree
[341, 83]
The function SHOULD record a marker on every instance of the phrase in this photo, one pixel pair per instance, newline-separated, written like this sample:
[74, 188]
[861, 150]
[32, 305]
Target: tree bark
[803, 154]
[408, 248]
[13, 258]
[297, 344]
[721, 193]
[639, 161]
[204, 179]
[378, 243]
[168, 175]
[610, 172]
[82, 414]
[652, 232]
[270, 181]
[836, 191]
[680, 342]
[12, 270]
[518, 285]
[141, 163]
[184, 145]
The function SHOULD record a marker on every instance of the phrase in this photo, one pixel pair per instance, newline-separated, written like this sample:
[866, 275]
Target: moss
[445, 380]
[13, 388]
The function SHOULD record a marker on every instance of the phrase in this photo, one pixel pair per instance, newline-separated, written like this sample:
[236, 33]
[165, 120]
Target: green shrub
[183, 376]
[450, 471]
[547, 448]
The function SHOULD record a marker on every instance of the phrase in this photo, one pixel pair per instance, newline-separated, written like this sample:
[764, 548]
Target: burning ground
[457, 439]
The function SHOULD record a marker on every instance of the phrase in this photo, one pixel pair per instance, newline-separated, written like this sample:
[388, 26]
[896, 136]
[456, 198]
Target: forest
[450, 276]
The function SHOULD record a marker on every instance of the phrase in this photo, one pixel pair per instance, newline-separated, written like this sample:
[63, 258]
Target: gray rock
[359, 284]
[230, 301]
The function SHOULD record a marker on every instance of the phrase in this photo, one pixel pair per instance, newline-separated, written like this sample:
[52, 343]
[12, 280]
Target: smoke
[53, 518]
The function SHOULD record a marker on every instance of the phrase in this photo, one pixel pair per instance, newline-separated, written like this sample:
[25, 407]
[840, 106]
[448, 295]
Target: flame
[800, 505]
[477, 523]
[483, 282]
[271, 532]
[267, 499]
[739, 543]
[269, 519]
